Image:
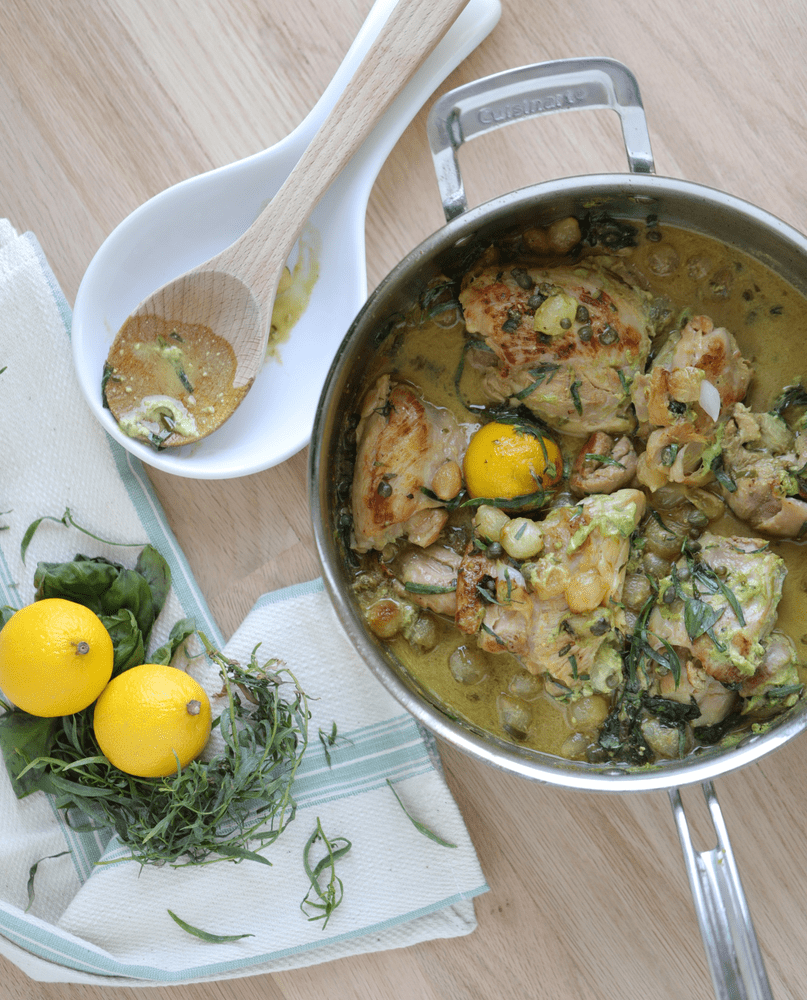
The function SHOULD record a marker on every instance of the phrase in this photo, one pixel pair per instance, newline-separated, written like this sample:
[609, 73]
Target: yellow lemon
[148, 714]
[55, 657]
[505, 461]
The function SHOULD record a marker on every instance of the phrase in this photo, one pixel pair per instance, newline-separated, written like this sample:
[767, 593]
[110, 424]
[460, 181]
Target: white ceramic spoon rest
[187, 224]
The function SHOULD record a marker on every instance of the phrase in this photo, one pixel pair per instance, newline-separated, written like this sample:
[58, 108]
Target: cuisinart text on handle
[532, 106]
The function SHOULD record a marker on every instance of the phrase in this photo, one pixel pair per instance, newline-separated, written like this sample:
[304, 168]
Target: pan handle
[732, 950]
[543, 88]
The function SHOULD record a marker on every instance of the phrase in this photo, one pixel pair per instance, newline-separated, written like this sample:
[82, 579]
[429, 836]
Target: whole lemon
[148, 714]
[55, 657]
[504, 461]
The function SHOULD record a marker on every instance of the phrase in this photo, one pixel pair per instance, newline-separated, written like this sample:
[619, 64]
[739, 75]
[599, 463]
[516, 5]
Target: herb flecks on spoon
[169, 383]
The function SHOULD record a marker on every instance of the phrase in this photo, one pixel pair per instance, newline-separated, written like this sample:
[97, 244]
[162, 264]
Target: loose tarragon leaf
[323, 900]
[421, 827]
[206, 935]
[528, 501]
[32, 875]
[544, 372]
[575, 394]
[603, 460]
[66, 519]
[329, 740]
[708, 580]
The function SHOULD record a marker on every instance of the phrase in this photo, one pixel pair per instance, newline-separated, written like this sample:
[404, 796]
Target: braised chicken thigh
[724, 609]
[567, 342]
[405, 445]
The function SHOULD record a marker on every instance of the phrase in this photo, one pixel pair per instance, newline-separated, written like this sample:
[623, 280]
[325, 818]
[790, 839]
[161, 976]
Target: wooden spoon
[232, 293]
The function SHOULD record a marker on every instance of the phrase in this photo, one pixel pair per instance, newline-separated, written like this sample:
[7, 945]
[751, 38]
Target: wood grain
[103, 104]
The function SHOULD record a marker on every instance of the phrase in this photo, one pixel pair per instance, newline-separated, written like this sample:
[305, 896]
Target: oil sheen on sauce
[170, 383]
[767, 316]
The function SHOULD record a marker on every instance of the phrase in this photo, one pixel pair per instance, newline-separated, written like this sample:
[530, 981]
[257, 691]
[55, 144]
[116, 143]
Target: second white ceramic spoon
[170, 234]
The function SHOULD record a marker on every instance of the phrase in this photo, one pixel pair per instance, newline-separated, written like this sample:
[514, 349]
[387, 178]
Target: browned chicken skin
[698, 352]
[403, 445]
[603, 465]
[698, 376]
[568, 342]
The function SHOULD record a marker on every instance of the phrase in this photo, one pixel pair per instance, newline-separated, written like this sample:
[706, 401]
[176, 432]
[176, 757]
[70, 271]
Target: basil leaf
[83, 580]
[101, 585]
[673, 713]
[131, 591]
[157, 573]
[181, 631]
[127, 640]
[24, 738]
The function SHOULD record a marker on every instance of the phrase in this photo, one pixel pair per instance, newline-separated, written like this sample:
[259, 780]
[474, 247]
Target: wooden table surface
[103, 103]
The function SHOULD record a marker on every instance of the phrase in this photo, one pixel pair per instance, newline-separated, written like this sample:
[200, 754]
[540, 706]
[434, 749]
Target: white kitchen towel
[110, 923]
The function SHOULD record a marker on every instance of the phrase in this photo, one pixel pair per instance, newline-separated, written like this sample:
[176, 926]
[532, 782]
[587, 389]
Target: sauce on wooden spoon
[170, 383]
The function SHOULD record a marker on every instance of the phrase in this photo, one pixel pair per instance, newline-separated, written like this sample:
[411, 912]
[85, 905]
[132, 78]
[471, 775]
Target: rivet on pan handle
[543, 88]
[732, 950]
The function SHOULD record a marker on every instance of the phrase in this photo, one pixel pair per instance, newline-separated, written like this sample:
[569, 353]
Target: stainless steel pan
[731, 946]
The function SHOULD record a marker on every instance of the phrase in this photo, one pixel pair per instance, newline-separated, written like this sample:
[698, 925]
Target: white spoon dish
[192, 221]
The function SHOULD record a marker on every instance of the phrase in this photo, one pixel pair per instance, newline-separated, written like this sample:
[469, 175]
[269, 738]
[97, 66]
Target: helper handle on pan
[735, 961]
[544, 88]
